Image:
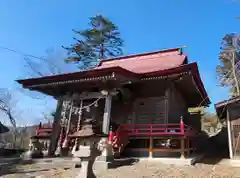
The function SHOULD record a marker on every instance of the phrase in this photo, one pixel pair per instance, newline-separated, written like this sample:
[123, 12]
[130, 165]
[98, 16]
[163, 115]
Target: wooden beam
[188, 146]
[56, 128]
[84, 96]
[163, 150]
[107, 114]
[151, 147]
[90, 95]
[229, 135]
[182, 148]
[167, 105]
[138, 149]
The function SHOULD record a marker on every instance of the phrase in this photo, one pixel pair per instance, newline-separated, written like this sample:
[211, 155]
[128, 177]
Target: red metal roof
[147, 62]
[161, 63]
[131, 65]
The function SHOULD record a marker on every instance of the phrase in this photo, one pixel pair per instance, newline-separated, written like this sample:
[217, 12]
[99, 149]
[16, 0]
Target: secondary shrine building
[144, 98]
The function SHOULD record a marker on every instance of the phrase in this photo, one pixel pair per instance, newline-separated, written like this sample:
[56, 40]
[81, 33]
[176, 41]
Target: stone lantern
[89, 147]
[35, 149]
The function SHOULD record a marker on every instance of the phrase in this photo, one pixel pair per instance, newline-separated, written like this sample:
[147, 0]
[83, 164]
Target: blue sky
[34, 26]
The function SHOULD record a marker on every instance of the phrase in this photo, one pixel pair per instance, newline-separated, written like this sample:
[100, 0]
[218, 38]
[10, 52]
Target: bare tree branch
[30, 65]
[51, 64]
[5, 105]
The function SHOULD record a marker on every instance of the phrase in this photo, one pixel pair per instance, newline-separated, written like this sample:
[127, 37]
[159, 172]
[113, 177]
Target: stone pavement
[59, 167]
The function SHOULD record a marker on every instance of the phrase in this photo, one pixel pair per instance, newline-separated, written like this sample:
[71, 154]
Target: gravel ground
[143, 169]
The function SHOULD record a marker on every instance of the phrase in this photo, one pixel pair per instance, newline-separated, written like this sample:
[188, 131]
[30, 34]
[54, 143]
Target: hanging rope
[70, 117]
[78, 124]
[66, 140]
[77, 110]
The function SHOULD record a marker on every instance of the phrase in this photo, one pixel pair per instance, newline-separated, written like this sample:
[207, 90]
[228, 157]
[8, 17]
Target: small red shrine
[142, 98]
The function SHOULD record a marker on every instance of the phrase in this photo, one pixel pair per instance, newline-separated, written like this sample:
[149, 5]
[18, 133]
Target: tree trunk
[56, 128]
[234, 74]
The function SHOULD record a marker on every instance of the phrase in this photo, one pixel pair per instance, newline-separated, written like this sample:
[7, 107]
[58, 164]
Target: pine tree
[228, 71]
[101, 41]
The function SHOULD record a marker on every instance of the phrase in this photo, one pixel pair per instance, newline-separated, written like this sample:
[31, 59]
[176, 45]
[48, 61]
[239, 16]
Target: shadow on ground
[20, 166]
[8, 165]
[214, 148]
[10, 152]
[123, 162]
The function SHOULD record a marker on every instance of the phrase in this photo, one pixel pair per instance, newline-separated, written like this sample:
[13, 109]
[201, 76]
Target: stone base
[77, 162]
[102, 165]
[45, 153]
[33, 154]
[58, 151]
[105, 158]
[86, 170]
[176, 161]
[65, 152]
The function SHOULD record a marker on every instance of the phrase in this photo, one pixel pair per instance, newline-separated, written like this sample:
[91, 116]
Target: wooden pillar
[107, 153]
[188, 146]
[167, 105]
[182, 148]
[150, 146]
[107, 114]
[56, 128]
[66, 140]
[229, 135]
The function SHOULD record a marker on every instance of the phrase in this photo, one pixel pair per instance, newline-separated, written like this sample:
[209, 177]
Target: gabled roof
[147, 62]
[221, 107]
[161, 64]
[130, 65]
[227, 102]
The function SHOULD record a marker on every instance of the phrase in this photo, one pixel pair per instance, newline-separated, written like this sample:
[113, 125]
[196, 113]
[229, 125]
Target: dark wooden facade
[156, 105]
[149, 103]
[146, 108]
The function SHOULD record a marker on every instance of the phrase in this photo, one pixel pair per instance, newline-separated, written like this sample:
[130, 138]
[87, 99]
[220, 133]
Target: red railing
[40, 129]
[156, 129]
[120, 136]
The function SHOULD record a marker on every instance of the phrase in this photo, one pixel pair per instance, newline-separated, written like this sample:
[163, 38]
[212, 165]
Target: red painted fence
[155, 129]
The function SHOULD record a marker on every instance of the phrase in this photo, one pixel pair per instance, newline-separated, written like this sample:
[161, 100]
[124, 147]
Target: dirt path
[143, 169]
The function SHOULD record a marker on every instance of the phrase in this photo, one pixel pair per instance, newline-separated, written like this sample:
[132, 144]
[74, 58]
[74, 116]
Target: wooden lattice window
[236, 130]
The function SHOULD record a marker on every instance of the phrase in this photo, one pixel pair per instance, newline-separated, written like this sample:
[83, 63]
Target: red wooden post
[166, 128]
[181, 126]
[38, 128]
[151, 128]
[110, 136]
